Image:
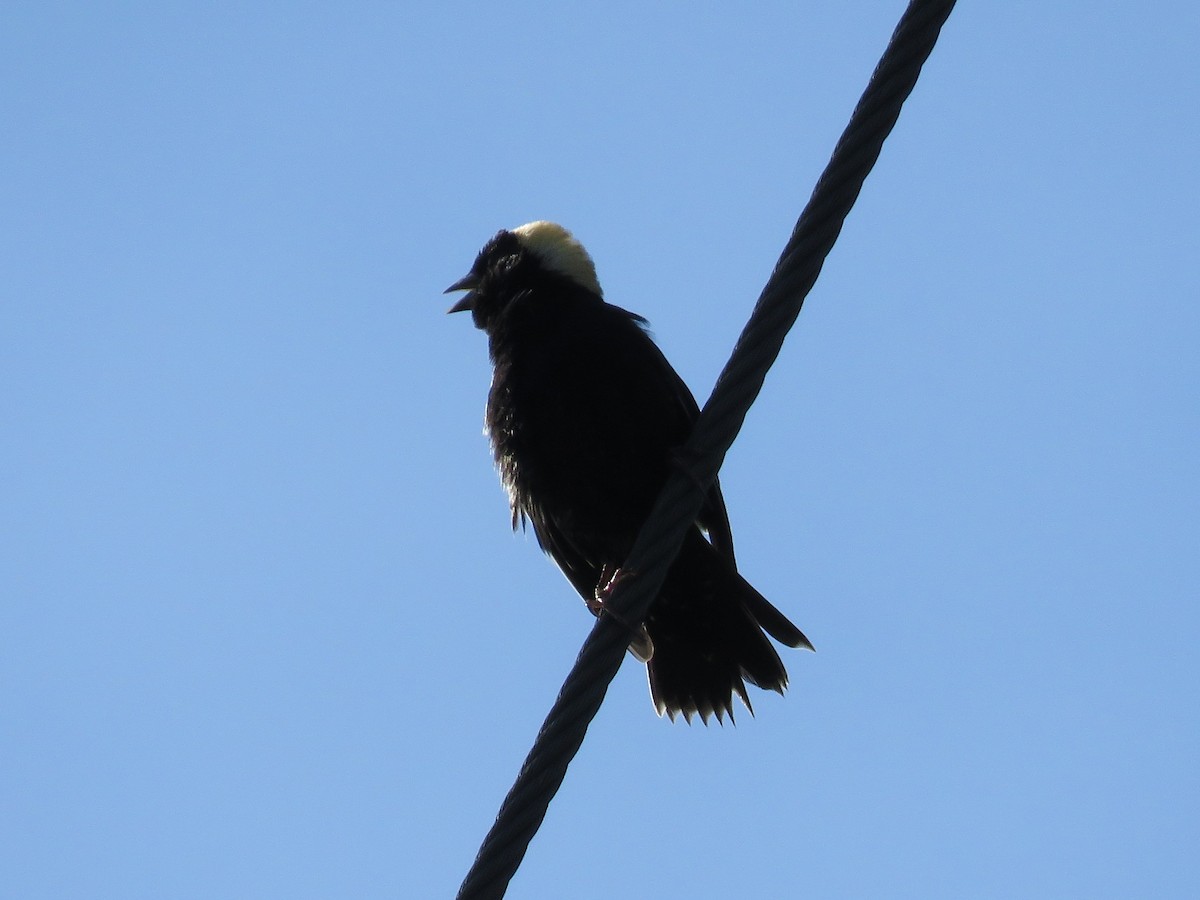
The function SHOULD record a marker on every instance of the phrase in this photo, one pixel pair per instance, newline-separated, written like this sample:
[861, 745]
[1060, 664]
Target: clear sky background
[264, 631]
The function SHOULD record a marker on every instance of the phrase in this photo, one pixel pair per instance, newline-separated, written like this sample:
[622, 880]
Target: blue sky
[264, 631]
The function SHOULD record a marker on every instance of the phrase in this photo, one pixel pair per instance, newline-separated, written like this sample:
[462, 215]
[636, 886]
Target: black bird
[584, 415]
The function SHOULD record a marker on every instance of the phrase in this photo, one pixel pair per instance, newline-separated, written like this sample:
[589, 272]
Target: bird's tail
[706, 627]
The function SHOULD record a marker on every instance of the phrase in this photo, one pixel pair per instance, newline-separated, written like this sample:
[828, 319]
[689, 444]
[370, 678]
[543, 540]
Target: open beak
[467, 283]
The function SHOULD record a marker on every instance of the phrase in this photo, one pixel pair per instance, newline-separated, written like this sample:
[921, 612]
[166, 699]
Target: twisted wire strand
[659, 541]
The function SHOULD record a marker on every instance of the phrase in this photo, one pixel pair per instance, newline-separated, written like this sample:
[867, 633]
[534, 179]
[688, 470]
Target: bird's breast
[565, 432]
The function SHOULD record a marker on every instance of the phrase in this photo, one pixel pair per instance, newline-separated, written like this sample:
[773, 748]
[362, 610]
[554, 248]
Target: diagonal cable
[679, 503]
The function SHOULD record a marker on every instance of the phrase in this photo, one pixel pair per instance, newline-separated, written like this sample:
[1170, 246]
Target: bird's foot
[610, 576]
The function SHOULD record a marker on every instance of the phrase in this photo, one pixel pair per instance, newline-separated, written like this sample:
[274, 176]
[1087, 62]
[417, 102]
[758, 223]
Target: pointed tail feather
[707, 630]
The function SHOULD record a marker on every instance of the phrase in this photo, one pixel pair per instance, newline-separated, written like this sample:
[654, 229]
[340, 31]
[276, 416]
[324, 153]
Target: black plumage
[584, 414]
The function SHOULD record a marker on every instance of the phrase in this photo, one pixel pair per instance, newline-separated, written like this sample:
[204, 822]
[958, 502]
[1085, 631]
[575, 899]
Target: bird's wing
[715, 521]
[575, 564]
[713, 517]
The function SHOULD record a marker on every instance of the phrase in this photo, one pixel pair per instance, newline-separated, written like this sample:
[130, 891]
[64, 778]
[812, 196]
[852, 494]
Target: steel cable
[817, 229]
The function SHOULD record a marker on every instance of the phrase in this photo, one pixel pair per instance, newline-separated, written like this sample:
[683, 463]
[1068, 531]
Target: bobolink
[584, 415]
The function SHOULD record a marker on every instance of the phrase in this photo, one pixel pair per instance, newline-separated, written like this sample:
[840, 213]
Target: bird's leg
[610, 576]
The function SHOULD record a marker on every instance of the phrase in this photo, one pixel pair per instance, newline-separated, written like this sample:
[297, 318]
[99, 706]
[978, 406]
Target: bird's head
[517, 260]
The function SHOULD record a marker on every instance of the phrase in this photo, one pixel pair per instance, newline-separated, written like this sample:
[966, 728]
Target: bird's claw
[610, 576]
